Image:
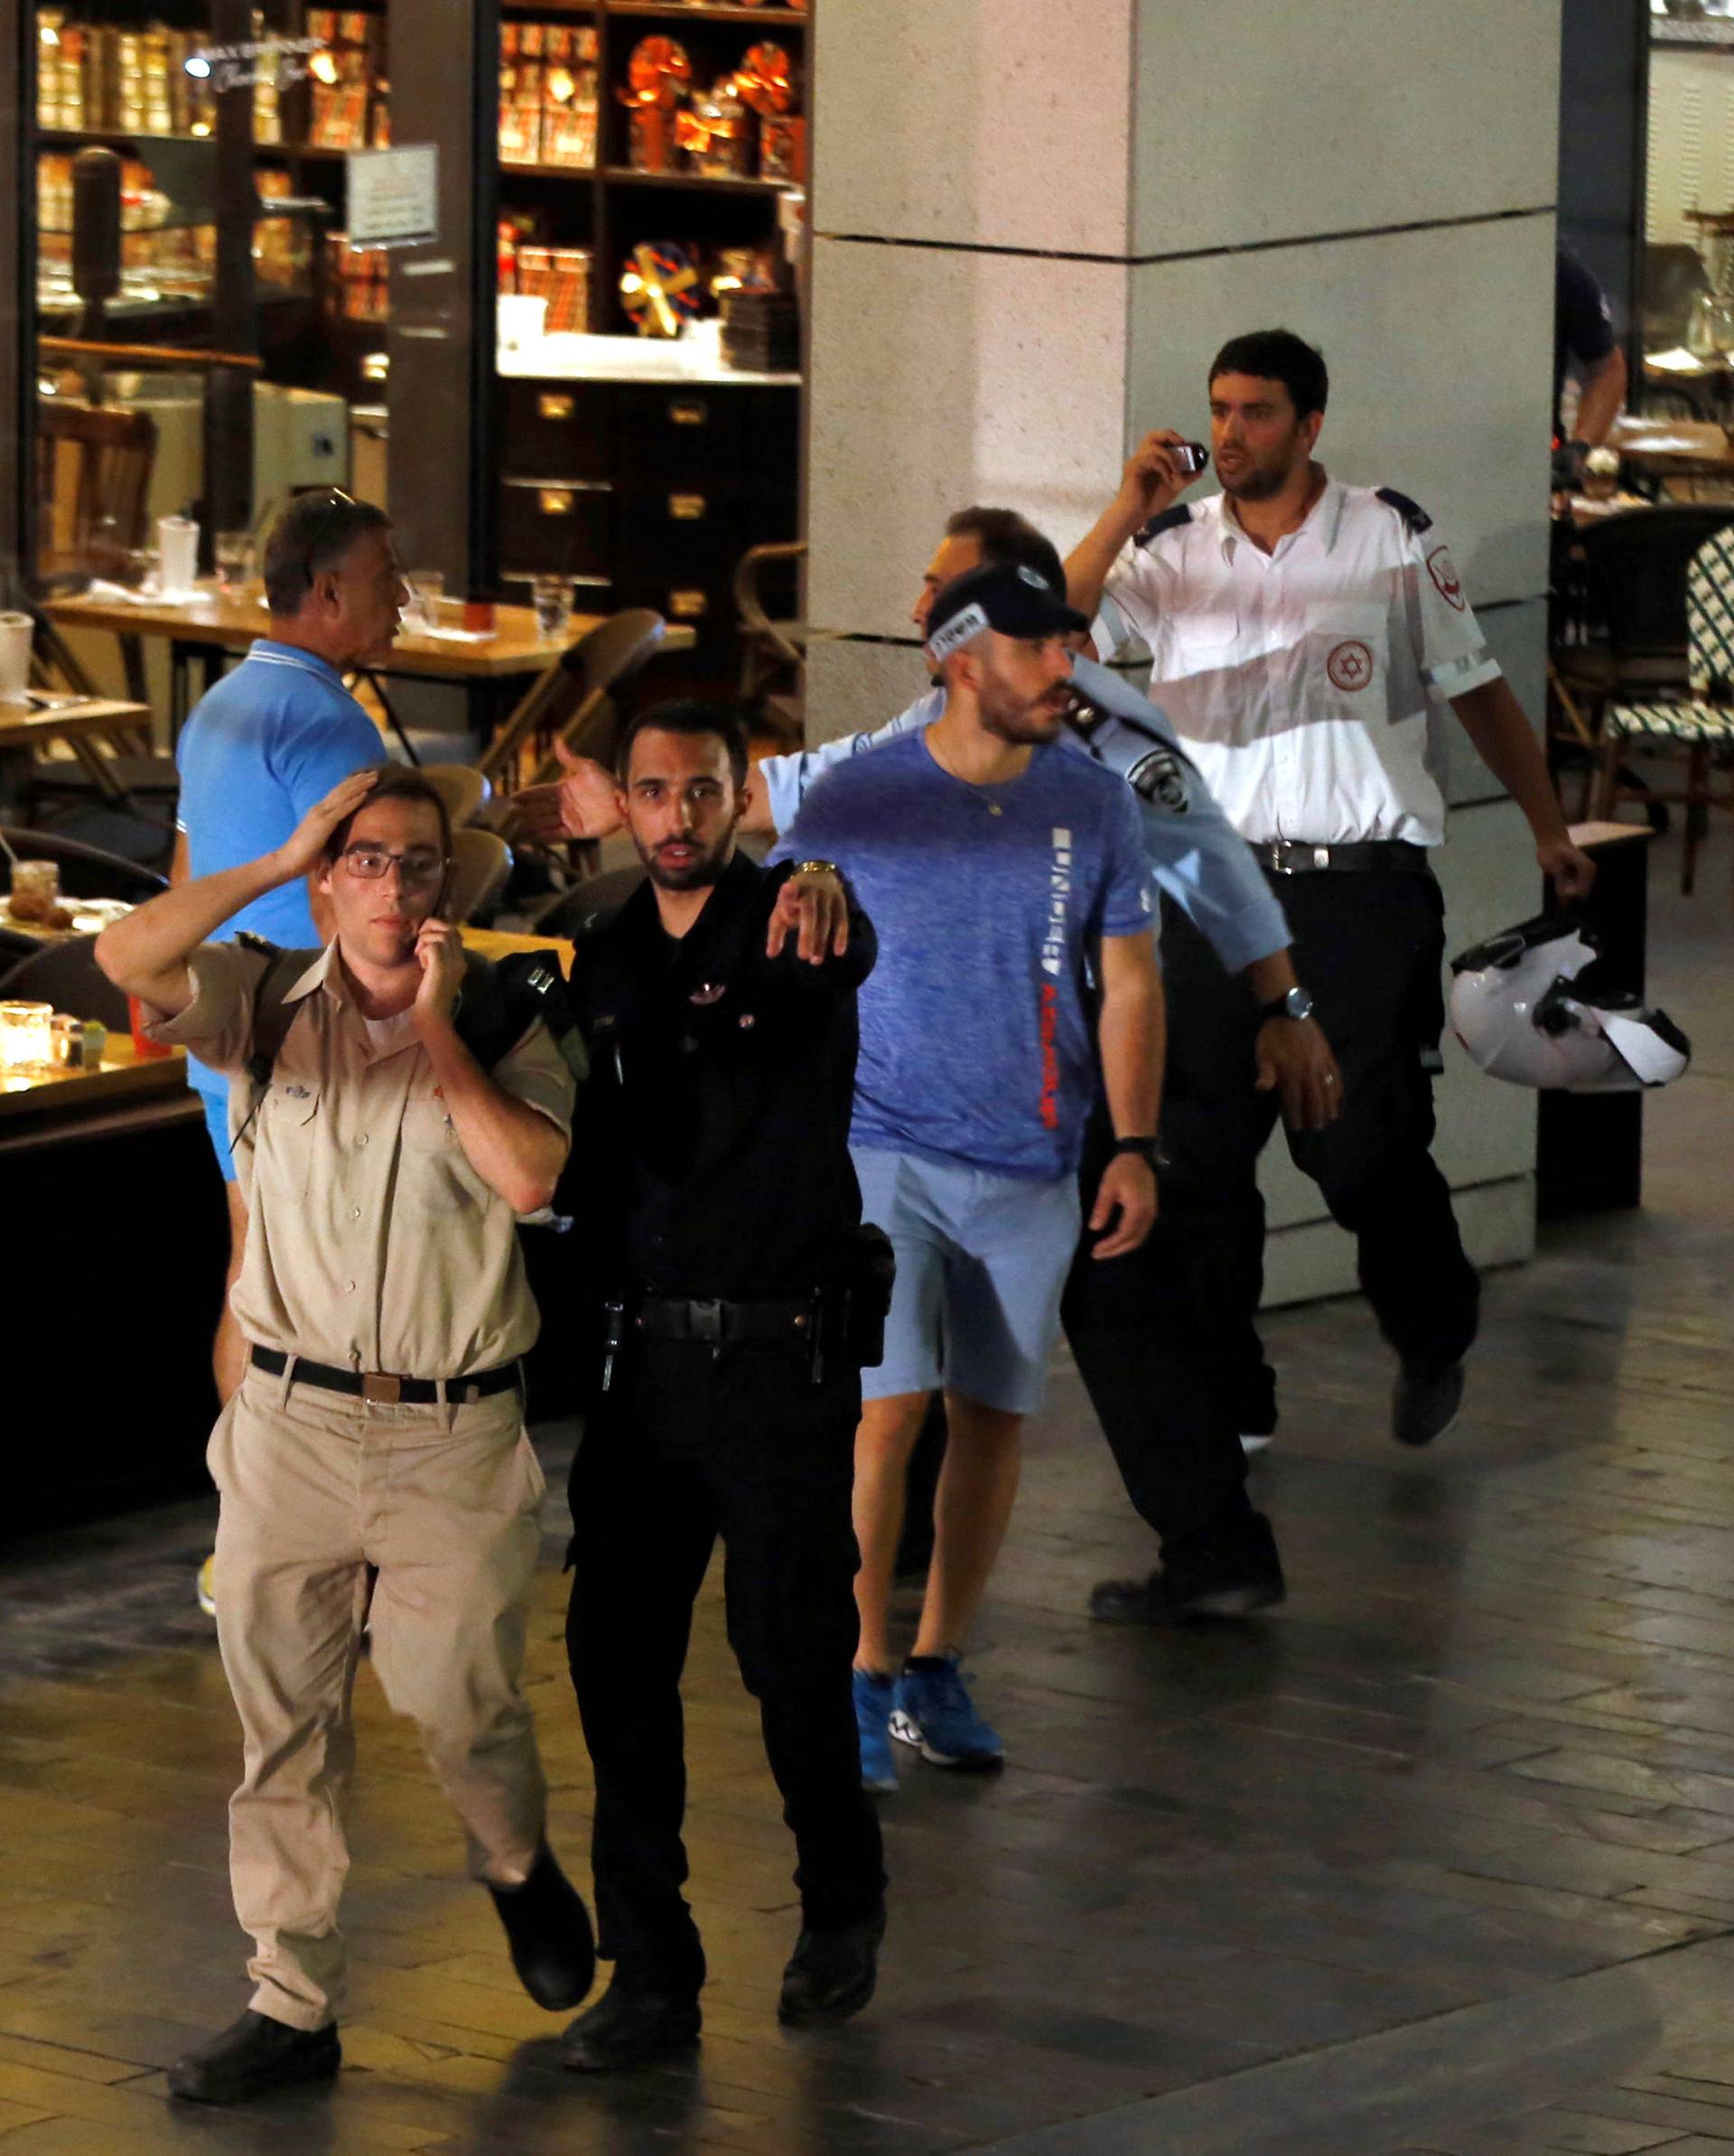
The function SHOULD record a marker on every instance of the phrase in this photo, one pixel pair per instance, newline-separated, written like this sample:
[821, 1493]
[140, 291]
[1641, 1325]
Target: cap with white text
[1017, 602]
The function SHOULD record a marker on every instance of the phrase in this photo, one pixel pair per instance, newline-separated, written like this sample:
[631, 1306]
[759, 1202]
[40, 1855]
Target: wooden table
[206, 628]
[124, 1081]
[1674, 448]
[24, 727]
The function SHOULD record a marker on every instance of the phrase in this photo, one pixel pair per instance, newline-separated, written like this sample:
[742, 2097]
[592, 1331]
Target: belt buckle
[381, 1388]
[706, 1320]
[1321, 856]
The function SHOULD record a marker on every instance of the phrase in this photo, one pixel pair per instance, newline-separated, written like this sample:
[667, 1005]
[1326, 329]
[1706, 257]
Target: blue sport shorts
[981, 1260]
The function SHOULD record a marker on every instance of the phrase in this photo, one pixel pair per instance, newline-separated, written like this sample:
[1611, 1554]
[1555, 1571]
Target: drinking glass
[427, 588]
[26, 1036]
[552, 597]
[234, 556]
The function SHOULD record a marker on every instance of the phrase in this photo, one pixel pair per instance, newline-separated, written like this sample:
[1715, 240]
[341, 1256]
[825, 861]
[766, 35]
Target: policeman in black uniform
[737, 1293]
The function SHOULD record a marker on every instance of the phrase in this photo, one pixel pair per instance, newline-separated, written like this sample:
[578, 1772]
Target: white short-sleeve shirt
[1307, 683]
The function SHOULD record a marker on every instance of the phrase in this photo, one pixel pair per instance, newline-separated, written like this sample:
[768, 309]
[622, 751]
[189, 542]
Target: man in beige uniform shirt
[379, 1422]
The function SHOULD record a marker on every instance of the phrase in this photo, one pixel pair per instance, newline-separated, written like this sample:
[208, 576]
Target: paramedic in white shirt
[1306, 637]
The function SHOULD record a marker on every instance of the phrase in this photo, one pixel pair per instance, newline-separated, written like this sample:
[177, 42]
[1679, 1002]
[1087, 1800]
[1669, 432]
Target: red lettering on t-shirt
[1050, 1028]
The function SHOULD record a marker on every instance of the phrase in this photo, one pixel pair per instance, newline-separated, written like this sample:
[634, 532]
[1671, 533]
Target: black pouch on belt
[867, 1281]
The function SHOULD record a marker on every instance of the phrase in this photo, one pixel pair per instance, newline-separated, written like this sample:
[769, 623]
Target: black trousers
[1369, 946]
[689, 1445]
[1162, 1398]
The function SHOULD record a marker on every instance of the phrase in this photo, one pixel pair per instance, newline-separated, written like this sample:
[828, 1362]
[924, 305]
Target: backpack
[498, 1004]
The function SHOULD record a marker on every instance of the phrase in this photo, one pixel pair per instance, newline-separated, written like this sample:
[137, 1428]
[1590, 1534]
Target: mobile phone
[1191, 457]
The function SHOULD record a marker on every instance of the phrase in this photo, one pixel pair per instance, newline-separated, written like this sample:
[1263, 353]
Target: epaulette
[1414, 516]
[1170, 520]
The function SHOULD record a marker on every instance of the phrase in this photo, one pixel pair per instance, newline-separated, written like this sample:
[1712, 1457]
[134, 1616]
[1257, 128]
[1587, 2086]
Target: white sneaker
[1249, 1445]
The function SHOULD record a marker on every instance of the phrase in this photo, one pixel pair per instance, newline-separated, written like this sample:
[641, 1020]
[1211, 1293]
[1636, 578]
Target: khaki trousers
[443, 1502]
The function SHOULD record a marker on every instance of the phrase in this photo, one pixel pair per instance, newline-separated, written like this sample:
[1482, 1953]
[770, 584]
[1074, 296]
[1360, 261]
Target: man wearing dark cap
[976, 1072]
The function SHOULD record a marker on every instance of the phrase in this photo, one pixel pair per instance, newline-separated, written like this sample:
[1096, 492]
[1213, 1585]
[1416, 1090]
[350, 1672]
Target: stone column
[1034, 225]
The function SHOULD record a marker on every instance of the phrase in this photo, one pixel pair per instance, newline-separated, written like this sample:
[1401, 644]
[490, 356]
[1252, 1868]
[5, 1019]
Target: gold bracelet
[817, 868]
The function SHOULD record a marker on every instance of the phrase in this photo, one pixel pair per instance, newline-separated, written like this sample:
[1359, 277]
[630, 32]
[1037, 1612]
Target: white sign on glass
[394, 196]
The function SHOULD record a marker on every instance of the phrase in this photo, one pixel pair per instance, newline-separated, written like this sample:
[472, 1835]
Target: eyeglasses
[370, 863]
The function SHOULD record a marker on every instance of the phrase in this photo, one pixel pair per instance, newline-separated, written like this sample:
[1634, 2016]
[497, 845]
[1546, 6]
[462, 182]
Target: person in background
[261, 747]
[1304, 635]
[373, 1464]
[1584, 340]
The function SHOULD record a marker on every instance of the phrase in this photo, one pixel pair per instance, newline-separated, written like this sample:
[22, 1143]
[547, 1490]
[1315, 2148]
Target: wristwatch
[1148, 1150]
[1296, 1003]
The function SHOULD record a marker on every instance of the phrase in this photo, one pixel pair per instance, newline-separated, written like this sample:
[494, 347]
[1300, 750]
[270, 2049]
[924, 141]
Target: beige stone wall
[1035, 222]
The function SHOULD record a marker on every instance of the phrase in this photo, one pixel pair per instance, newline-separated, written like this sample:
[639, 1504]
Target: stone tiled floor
[1439, 1859]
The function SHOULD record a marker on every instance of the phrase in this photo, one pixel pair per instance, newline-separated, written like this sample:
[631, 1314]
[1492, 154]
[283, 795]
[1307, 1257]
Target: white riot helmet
[1534, 1006]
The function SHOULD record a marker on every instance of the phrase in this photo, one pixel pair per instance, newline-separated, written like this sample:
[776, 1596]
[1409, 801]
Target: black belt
[383, 1389]
[718, 1324]
[1290, 857]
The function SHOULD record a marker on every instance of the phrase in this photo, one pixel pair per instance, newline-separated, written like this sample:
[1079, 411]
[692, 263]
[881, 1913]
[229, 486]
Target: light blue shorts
[216, 1108]
[981, 1260]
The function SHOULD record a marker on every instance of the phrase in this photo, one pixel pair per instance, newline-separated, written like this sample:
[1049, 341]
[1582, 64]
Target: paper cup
[15, 632]
[177, 548]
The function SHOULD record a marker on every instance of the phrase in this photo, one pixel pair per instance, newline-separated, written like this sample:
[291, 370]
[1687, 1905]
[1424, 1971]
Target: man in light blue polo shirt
[270, 740]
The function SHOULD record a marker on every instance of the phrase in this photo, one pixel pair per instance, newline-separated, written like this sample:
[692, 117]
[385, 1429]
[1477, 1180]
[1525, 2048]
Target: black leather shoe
[254, 2056]
[1426, 1402]
[547, 1928]
[629, 2027]
[831, 1974]
[1228, 1574]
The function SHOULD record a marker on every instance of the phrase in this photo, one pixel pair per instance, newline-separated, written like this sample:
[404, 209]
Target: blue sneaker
[874, 1725]
[933, 1711]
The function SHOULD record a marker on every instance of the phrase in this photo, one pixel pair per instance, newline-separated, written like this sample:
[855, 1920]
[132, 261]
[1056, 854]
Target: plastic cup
[177, 547]
[145, 1049]
[15, 633]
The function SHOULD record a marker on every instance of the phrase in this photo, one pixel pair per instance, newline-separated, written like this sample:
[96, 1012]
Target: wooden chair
[1698, 726]
[480, 863]
[569, 702]
[461, 787]
[770, 648]
[93, 479]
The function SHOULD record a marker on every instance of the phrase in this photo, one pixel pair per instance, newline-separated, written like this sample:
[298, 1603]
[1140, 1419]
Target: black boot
[1222, 1573]
[831, 1973]
[629, 2026]
[547, 1928]
[254, 2056]
[1426, 1402]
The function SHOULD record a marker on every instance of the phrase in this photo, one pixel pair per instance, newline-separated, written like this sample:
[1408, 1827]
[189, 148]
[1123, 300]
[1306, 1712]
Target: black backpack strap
[272, 1014]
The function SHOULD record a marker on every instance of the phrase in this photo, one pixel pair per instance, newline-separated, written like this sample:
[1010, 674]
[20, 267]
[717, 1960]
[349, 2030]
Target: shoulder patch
[1170, 520]
[1414, 516]
[1163, 778]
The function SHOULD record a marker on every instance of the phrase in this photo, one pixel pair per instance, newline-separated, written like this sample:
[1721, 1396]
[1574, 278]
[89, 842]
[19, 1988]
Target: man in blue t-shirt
[270, 740]
[994, 865]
